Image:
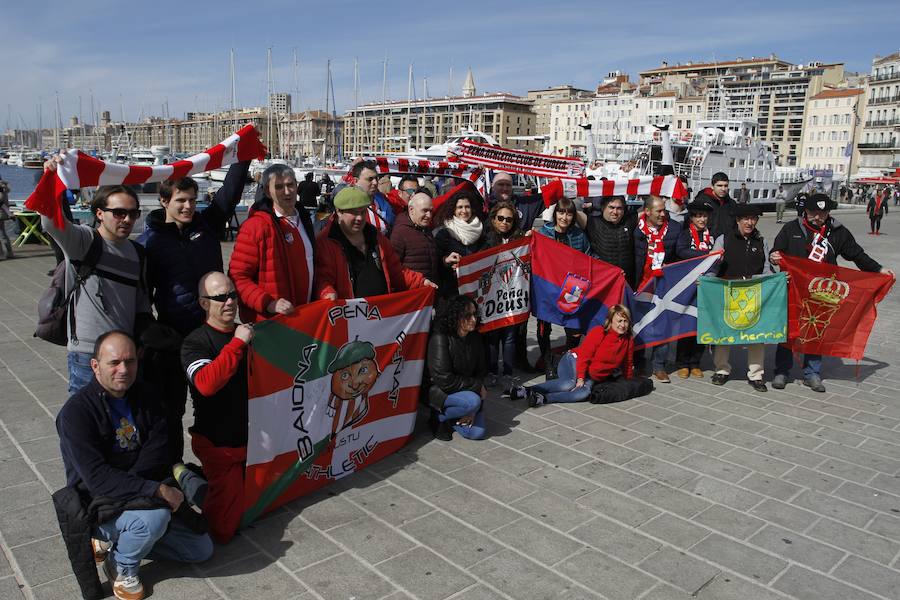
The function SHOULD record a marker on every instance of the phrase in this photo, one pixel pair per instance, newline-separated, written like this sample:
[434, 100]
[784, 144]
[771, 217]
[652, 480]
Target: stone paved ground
[695, 491]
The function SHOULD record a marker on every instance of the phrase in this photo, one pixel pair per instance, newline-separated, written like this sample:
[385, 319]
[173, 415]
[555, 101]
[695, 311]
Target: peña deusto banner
[499, 280]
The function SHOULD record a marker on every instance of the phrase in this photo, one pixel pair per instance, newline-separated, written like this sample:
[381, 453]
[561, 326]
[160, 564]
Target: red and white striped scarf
[656, 249]
[401, 166]
[664, 185]
[703, 243]
[80, 170]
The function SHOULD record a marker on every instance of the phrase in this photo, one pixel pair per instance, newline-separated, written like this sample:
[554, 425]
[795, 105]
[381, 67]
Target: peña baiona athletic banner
[333, 388]
[742, 311]
[499, 280]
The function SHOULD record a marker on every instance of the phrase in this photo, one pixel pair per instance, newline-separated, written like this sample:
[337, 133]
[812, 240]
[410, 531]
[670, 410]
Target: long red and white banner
[499, 279]
[518, 161]
[393, 164]
[663, 185]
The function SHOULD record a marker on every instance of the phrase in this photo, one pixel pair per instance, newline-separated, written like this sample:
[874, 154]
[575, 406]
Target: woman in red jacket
[605, 353]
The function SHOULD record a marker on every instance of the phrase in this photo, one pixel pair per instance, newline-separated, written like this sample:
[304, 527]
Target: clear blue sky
[150, 52]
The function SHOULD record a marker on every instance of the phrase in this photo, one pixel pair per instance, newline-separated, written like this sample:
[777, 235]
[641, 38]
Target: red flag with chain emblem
[831, 309]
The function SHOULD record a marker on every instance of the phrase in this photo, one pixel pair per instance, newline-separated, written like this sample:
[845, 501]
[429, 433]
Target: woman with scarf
[461, 234]
[503, 228]
[563, 229]
[695, 240]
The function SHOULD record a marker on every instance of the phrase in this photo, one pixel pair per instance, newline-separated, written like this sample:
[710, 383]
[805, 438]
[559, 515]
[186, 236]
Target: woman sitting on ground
[461, 234]
[457, 367]
[605, 353]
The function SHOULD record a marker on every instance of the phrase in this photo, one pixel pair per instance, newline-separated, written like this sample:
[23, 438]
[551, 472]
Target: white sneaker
[124, 587]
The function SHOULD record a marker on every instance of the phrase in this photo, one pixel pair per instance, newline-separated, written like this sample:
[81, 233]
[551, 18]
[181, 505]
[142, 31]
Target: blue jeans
[506, 336]
[658, 356]
[784, 362]
[80, 372]
[139, 534]
[461, 404]
[562, 389]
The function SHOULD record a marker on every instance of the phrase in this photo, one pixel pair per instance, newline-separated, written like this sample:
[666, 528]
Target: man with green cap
[353, 259]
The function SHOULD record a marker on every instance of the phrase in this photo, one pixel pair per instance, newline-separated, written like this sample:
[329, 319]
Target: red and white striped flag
[80, 170]
[499, 281]
[665, 185]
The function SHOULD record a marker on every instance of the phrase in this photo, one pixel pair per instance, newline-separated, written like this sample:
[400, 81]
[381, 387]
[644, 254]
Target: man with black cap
[694, 240]
[745, 253]
[353, 258]
[817, 236]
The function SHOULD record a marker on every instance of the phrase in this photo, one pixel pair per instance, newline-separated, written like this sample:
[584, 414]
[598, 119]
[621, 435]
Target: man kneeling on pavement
[120, 497]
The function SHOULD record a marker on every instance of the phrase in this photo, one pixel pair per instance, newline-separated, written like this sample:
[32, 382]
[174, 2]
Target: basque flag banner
[497, 278]
[831, 309]
[742, 311]
[665, 309]
[569, 287]
[333, 388]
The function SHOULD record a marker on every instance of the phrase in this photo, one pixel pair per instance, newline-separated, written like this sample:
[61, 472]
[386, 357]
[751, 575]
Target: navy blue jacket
[178, 258]
[87, 438]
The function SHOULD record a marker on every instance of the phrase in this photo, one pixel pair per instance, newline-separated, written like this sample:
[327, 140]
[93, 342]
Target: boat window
[756, 193]
[731, 163]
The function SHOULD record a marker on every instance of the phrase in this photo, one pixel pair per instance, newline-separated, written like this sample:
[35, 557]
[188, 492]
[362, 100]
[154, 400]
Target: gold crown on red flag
[828, 289]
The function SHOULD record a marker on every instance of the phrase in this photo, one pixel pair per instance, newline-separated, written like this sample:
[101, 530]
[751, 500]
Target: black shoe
[441, 431]
[758, 385]
[535, 399]
[719, 379]
[814, 383]
[779, 382]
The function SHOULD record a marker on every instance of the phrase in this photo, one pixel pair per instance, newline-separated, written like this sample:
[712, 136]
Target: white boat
[33, 160]
[14, 159]
[439, 152]
[717, 145]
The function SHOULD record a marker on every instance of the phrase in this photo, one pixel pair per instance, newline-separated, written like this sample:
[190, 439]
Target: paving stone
[482, 513]
[870, 497]
[428, 574]
[679, 569]
[326, 511]
[612, 579]
[758, 462]
[792, 438]
[607, 451]
[611, 414]
[537, 542]
[838, 436]
[22, 495]
[797, 548]
[394, 505]
[855, 541]
[680, 503]
[666, 592]
[804, 584]
[674, 530]
[43, 560]
[296, 544]
[493, 482]
[739, 439]
[566, 436]
[730, 587]
[15, 471]
[659, 449]
[868, 575]
[520, 578]
[618, 506]
[814, 479]
[785, 515]
[558, 455]
[705, 445]
[355, 579]
[23, 525]
[65, 589]
[715, 467]
[662, 471]
[728, 521]
[624, 543]
[834, 508]
[722, 493]
[860, 457]
[845, 470]
[419, 480]
[370, 540]
[610, 476]
[449, 538]
[511, 462]
[10, 590]
[661, 431]
[739, 557]
[560, 482]
[650, 411]
[887, 526]
[770, 486]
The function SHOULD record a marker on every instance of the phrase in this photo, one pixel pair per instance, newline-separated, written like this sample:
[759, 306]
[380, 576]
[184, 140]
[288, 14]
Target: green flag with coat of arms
[742, 311]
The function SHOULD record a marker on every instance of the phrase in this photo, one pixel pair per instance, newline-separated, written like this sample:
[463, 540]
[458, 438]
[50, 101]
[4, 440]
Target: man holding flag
[820, 238]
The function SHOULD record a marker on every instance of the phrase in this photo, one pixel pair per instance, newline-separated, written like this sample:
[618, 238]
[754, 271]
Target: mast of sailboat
[383, 103]
[270, 90]
[409, 92]
[449, 104]
[327, 105]
[291, 138]
[357, 121]
[233, 87]
[58, 133]
[419, 130]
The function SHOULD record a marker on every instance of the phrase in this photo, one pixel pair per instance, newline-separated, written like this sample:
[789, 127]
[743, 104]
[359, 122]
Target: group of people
[170, 295]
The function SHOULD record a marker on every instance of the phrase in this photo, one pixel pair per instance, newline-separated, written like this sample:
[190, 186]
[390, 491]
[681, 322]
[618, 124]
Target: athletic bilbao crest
[498, 279]
[825, 297]
[742, 305]
[574, 288]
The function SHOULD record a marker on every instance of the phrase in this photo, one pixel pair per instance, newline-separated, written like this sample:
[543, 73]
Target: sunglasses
[503, 219]
[232, 295]
[120, 213]
[409, 191]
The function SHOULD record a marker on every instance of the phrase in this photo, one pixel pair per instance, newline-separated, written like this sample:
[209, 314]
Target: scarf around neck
[656, 250]
[700, 240]
[465, 233]
[818, 248]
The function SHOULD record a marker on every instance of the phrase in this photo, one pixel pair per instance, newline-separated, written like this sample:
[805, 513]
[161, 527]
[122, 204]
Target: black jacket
[178, 258]
[447, 244]
[87, 437]
[454, 365]
[613, 243]
[794, 240]
[743, 257]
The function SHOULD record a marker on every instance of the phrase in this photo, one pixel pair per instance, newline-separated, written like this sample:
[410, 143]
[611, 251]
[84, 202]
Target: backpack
[620, 389]
[56, 307]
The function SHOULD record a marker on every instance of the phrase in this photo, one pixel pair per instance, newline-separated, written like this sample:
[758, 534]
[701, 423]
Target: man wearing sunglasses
[214, 358]
[113, 295]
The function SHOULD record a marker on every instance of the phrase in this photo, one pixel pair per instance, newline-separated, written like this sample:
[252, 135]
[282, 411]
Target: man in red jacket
[272, 261]
[353, 258]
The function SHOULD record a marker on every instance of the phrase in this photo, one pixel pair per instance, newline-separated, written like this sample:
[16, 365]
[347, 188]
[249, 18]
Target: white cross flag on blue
[665, 309]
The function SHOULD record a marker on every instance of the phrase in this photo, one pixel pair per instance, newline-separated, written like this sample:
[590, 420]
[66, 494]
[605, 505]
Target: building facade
[832, 131]
[313, 133]
[542, 100]
[567, 136]
[879, 144]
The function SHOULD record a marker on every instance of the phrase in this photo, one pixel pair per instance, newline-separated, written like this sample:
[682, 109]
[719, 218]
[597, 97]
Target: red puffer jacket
[333, 271]
[269, 262]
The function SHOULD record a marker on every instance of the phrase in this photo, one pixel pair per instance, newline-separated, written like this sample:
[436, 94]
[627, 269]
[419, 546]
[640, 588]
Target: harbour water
[21, 181]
